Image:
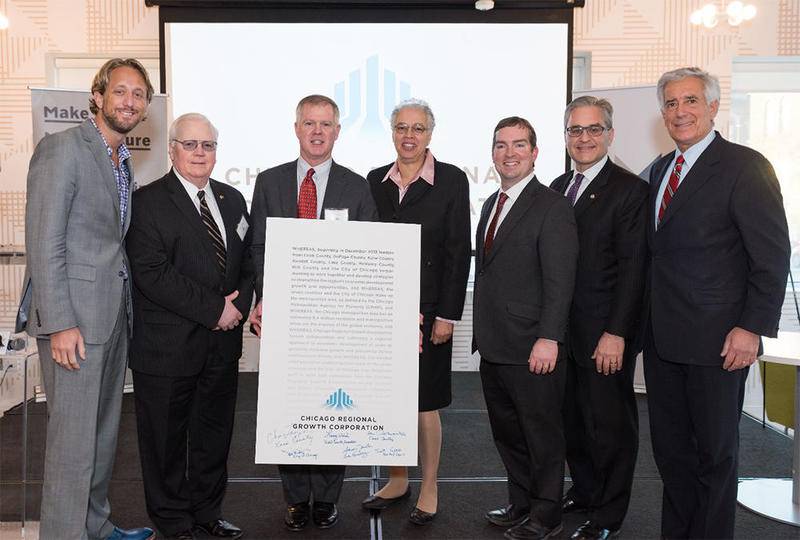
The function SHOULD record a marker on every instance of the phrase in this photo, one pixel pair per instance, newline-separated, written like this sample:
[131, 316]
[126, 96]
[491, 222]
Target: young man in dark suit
[527, 248]
[189, 247]
[719, 257]
[307, 188]
[600, 417]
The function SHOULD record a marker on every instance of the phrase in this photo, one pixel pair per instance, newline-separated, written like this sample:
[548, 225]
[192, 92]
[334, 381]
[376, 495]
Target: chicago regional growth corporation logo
[339, 400]
[368, 95]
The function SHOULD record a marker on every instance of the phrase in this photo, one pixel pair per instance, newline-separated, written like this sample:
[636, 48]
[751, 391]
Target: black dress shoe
[373, 502]
[296, 516]
[183, 535]
[569, 505]
[220, 529]
[593, 531]
[507, 516]
[420, 517]
[325, 515]
[532, 530]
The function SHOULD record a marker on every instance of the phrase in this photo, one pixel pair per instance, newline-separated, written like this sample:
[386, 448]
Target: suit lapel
[186, 207]
[482, 224]
[520, 208]
[100, 154]
[288, 189]
[334, 190]
[593, 189]
[231, 217]
[701, 172]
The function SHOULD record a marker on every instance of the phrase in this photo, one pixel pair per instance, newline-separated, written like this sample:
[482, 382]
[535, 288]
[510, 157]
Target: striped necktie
[213, 231]
[672, 186]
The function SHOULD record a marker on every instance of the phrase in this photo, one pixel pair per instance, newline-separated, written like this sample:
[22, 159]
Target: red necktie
[307, 202]
[487, 244]
[672, 186]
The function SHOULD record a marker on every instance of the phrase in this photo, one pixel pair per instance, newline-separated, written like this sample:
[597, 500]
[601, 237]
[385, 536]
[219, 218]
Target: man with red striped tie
[719, 257]
[306, 189]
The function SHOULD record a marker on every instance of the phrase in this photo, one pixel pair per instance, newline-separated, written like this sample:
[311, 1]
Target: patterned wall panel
[632, 42]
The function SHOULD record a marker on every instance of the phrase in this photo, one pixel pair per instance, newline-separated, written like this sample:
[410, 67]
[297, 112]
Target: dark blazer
[612, 232]
[720, 256]
[275, 195]
[523, 289]
[443, 211]
[178, 291]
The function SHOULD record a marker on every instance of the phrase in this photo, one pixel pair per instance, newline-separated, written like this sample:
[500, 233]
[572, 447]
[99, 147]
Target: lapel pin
[591, 196]
[221, 196]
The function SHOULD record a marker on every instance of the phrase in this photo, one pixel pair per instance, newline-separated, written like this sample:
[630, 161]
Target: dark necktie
[487, 244]
[307, 202]
[672, 186]
[213, 231]
[572, 194]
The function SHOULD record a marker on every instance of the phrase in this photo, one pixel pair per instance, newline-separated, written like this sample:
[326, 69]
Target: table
[779, 498]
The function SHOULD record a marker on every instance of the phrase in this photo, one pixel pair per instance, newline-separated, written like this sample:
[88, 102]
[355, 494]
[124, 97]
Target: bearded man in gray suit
[76, 299]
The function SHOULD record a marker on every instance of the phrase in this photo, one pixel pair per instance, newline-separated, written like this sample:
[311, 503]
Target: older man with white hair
[193, 282]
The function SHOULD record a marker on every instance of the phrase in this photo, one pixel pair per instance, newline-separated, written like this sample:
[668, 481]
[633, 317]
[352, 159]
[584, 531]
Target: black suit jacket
[612, 234]
[275, 195]
[178, 290]
[523, 289]
[720, 256]
[443, 211]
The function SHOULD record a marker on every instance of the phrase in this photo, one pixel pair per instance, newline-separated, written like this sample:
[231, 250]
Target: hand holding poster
[338, 369]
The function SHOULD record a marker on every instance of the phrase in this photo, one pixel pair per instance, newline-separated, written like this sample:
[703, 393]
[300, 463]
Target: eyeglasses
[595, 130]
[208, 146]
[416, 129]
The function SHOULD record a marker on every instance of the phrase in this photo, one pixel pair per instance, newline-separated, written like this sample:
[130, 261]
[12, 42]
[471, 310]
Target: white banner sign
[55, 110]
[339, 347]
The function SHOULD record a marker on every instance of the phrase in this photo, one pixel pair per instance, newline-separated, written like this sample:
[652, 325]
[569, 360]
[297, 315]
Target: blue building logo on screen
[359, 98]
[339, 400]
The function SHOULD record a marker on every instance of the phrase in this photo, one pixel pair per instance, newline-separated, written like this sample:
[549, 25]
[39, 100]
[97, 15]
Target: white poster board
[339, 347]
[55, 110]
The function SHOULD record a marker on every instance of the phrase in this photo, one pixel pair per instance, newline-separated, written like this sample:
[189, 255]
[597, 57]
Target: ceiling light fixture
[709, 16]
[484, 5]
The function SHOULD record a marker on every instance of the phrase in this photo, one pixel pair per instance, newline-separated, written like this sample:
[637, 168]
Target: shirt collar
[426, 172]
[122, 151]
[592, 172]
[192, 189]
[320, 170]
[514, 191]
[693, 152]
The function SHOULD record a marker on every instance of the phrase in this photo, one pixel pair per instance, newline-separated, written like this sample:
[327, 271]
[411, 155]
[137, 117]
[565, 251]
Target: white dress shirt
[513, 194]
[193, 190]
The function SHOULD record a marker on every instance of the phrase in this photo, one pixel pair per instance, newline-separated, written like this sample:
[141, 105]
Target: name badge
[336, 214]
[241, 228]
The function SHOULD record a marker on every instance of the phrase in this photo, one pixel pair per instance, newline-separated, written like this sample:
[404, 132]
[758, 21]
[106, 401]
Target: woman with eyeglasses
[417, 188]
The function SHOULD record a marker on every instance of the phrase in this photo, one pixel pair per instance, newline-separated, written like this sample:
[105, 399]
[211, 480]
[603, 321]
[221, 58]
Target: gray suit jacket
[275, 195]
[74, 241]
[523, 289]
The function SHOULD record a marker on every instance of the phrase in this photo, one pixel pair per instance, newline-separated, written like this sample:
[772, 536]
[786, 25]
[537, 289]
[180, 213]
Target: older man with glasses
[193, 282]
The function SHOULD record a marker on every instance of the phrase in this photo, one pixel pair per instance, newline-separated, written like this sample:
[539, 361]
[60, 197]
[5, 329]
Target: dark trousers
[525, 416]
[601, 424]
[301, 483]
[694, 424]
[185, 426]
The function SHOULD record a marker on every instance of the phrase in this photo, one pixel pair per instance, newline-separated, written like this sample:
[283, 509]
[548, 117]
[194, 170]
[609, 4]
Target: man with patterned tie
[189, 247]
[307, 188]
[719, 257]
[600, 414]
[527, 248]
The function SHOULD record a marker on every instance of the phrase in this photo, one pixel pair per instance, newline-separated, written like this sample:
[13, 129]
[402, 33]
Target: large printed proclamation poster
[339, 345]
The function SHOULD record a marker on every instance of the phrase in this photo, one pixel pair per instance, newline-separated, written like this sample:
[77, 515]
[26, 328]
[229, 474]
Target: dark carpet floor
[471, 475]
